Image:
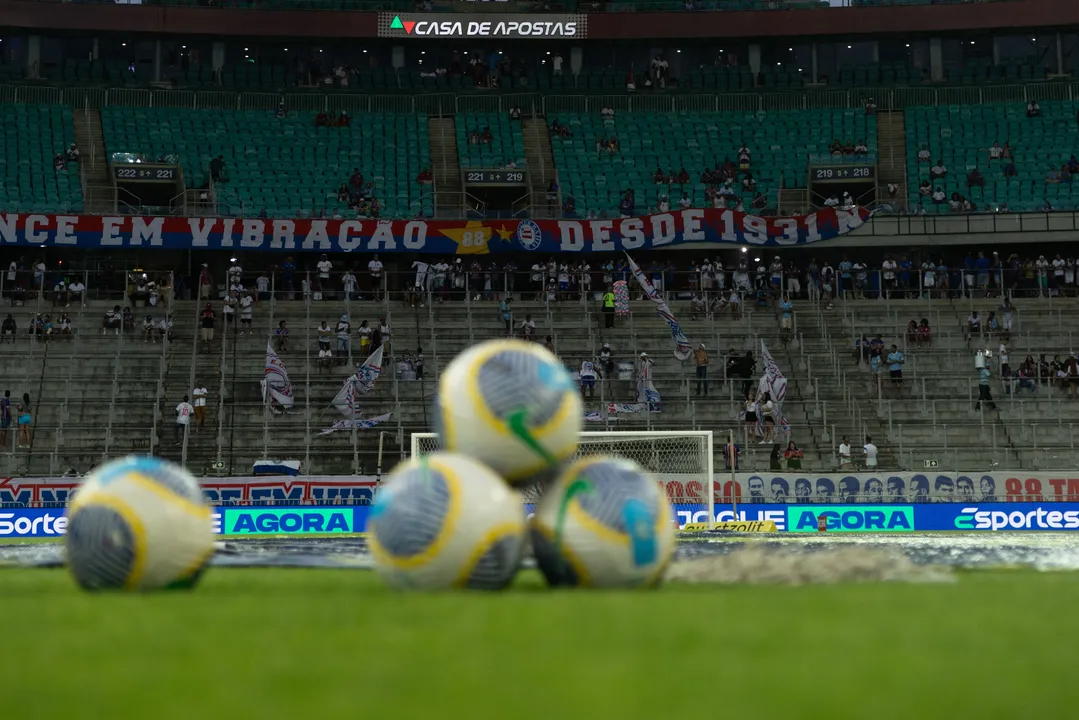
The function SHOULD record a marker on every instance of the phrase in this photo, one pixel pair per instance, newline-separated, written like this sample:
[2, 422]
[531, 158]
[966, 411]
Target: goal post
[680, 459]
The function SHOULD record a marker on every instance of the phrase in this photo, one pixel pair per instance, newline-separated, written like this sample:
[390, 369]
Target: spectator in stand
[844, 454]
[112, 321]
[184, 411]
[939, 196]
[374, 269]
[1064, 175]
[515, 113]
[1051, 175]
[207, 319]
[745, 158]
[569, 207]
[793, 456]
[871, 107]
[975, 179]
[366, 334]
[344, 334]
[1010, 169]
[925, 188]
[164, 328]
[528, 328]
[861, 148]
[9, 327]
[200, 393]
[383, 333]
[923, 154]
[1034, 109]
[701, 360]
[938, 171]
[149, 329]
[995, 151]
[425, 177]
[631, 81]
[217, 169]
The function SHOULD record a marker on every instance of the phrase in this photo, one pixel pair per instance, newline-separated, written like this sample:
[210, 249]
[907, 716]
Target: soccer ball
[512, 405]
[603, 523]
[139, 523]
[445, 521]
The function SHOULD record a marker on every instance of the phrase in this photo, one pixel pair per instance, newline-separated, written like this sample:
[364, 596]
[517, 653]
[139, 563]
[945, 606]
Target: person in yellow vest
[608, 308]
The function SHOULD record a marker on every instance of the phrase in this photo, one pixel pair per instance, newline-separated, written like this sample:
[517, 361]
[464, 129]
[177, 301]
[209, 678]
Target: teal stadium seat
[961, 135]
[33, 135]
[286, 166]
[780, 143]
[507, 141]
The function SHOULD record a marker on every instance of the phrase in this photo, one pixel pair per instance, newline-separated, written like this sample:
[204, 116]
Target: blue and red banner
[441, 237]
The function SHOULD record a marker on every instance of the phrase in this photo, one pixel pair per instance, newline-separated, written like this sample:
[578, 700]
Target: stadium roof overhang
[84, 17]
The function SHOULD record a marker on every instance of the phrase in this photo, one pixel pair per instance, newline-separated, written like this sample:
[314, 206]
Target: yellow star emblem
[471, 238]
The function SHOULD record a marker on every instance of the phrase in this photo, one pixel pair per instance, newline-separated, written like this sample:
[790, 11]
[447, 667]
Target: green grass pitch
[310, 644]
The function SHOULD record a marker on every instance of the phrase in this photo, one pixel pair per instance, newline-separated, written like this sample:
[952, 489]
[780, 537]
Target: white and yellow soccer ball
[511, 405]
[446, 521]
[603, 523]
[139, 523]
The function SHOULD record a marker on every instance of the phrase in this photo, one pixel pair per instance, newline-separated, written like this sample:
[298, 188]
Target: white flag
[358, 424]
[345, 400]
[276, 387]
[772, 381]
[369, 372]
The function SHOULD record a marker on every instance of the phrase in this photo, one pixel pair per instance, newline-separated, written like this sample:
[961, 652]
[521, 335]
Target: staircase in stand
[891, 155]
[541, 169]
[446, 167]
[98, 187]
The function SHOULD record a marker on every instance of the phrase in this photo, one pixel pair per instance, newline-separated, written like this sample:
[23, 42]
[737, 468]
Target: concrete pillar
[157, 61]
[754, 58]
[95, 51]
[815, 76]
[1060, 55]
[33, 57]
[576, 59]
[936, 60]
[217, 56]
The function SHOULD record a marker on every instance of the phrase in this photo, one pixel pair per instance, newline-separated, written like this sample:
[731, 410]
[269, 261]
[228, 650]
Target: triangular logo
[409, 25]
[396, 24]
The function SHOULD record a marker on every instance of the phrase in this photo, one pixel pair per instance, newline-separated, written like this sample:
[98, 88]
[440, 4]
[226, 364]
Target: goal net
[680, 460]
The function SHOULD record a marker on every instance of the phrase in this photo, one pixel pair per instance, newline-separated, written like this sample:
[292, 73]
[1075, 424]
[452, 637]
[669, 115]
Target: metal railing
[886, 98]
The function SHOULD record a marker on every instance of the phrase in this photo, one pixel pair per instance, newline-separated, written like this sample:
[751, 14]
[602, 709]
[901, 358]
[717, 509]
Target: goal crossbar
[682, 457]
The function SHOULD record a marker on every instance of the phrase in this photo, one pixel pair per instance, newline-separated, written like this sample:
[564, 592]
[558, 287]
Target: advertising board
[930, 517]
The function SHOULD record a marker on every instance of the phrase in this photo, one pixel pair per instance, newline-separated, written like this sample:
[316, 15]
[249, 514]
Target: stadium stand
[33, 136]
[506, 142]
[961, 136]
[780, 142]
[285, 166]
[97, 395]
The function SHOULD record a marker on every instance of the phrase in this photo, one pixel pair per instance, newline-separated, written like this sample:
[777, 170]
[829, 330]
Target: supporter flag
[276, 387]
[369, 372]
[358, 384]
[345, 399]
[359, 424]
[681, 342]
[773, 381]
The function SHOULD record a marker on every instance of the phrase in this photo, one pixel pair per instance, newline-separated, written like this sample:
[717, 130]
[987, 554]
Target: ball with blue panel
[138, 523]
[604, 522]
[446, 521]
[511, 405]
